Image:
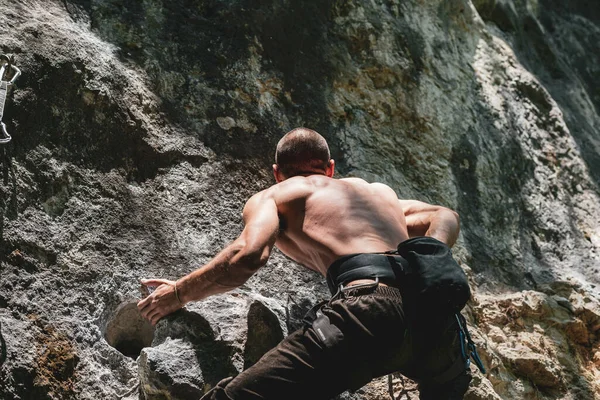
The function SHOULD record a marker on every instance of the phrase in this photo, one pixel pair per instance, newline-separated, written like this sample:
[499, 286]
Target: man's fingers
[155, 317]
[143, 303]
[155, 282]
[151, 316]
[160, 303]
[147, 311]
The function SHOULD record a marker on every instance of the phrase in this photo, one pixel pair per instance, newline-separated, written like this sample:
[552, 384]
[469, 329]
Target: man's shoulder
[353, 180]
[360, 181]
[292, 188]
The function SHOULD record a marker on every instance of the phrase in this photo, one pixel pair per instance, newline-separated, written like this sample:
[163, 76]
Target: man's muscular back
[322, 219]
[311, 217]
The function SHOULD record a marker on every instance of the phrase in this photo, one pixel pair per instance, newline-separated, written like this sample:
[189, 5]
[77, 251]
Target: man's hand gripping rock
[161, 302]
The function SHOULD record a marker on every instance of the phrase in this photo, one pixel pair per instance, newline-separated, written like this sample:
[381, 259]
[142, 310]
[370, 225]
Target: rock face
[140, 129]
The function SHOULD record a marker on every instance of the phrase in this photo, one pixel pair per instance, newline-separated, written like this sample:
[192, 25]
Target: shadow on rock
[185, 357]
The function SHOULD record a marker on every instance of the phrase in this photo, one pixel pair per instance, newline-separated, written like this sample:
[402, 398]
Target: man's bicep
[261, 224]
[418, 216]
[431, 220]
[414, 207]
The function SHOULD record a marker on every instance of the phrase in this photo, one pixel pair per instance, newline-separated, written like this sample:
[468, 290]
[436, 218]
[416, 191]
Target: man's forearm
[444, 226]
[230, 269]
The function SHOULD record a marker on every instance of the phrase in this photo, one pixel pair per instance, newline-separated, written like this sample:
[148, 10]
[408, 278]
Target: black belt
[388, 267]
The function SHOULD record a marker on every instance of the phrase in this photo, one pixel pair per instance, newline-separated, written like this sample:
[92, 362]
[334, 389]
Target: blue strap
[464, 334]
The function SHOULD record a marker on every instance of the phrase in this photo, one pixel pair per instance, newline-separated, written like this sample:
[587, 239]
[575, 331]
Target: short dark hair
[299, 149]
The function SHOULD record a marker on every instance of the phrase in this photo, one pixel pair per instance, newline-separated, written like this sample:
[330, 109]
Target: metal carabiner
[464, 334]
[6, 137]
[6, 67]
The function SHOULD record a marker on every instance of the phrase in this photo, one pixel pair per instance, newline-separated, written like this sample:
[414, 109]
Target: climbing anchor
[7, 66]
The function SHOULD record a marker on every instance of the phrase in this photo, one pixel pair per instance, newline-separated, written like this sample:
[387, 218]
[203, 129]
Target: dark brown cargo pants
[359, 335]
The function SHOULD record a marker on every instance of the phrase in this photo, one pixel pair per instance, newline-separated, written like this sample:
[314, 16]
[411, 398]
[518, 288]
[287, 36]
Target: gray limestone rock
[139, 130]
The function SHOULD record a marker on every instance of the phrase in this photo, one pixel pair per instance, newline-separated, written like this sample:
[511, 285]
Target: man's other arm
[423, 219]
[230, 269]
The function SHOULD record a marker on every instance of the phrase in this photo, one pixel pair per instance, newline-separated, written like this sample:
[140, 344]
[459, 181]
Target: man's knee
[218, 392]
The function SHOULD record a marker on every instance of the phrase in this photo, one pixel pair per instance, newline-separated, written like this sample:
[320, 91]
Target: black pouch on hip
[329, 334]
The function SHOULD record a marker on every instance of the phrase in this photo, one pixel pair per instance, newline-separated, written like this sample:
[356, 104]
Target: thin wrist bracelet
[177, 295]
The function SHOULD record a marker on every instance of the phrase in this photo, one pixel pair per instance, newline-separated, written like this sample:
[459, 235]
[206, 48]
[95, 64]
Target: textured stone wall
[140, 129]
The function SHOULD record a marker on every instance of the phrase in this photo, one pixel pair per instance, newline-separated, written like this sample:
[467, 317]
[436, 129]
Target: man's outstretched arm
[230, 269]
[423, 219]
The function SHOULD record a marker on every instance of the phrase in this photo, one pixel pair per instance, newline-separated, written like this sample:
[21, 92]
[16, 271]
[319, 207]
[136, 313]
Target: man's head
[302, 151]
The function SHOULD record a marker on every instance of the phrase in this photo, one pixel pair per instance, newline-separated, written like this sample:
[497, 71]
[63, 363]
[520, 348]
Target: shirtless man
[318, 221]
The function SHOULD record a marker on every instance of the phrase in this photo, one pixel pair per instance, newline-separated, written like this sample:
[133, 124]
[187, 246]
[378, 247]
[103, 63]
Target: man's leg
[453, 390]
[319, 362]
[294, 369]
[441, 356]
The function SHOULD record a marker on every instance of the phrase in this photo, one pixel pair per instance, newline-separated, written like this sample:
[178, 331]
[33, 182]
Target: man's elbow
[450, 225]
[243, 264]
[253, 259]
[450, 218]
[455, 216]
